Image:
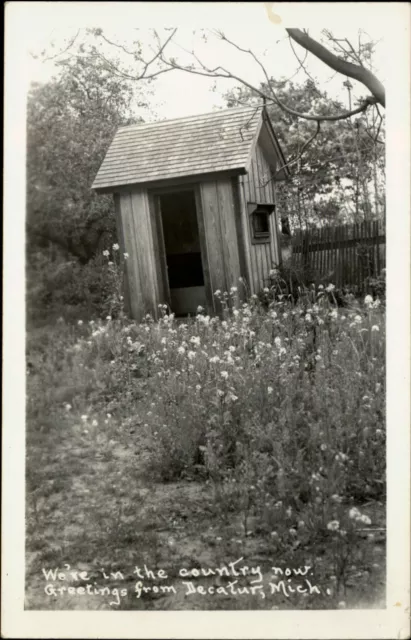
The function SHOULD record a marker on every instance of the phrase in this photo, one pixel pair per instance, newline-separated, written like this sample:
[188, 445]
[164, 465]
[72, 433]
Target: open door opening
[183, 251]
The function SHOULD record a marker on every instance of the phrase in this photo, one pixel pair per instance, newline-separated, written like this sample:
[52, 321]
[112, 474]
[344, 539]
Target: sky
[179, 94]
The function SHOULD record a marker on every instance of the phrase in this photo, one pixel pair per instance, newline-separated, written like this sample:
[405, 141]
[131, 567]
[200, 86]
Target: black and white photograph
[213, 235]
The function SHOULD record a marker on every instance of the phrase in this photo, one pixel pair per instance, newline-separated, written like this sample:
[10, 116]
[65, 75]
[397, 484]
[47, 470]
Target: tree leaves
[342, 150]
[71, 121]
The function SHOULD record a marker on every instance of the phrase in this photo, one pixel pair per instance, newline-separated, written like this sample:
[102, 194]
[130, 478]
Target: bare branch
[72, 41]
[221, 72]
[302, 63]
[344, 67]
[116, 44]
[297, 158]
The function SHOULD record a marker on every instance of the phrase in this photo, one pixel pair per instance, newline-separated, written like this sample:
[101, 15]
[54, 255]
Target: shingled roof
[207, 143]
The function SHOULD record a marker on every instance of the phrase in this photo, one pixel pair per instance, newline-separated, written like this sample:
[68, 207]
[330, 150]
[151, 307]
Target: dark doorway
[183, 251]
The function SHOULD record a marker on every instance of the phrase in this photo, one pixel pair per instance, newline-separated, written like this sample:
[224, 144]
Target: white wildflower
[116, 247]
[354, 513]
[365, 519]
[334, 525]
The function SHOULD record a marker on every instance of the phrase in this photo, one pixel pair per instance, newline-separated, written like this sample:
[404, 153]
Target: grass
[185, 444]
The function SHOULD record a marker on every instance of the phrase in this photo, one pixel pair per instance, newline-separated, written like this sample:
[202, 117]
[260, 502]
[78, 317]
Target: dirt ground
[93, 506]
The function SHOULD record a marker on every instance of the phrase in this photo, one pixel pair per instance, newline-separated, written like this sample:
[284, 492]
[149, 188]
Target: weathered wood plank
[130, 244]
[124, 262]
[204, 252]
[145, 251]
[246, 235]
[235, 189]
[228, 233]
[212, 227]
[159, 250]
[249, 195]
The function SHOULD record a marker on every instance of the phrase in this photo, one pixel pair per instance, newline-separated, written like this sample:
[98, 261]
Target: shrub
[74, 290]
[280, 409]
[376, 285]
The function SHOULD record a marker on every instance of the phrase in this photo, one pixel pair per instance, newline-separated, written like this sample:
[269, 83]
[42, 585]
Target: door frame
[155, 208]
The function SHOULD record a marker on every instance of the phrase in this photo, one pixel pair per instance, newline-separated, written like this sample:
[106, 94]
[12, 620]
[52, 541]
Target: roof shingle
[211, 142]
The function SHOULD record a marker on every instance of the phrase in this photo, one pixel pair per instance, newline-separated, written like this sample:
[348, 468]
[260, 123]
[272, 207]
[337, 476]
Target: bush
[376, 285]
[74, 290]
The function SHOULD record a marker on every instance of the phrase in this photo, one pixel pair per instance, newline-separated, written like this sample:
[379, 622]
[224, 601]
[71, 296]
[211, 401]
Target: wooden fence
[344, 255]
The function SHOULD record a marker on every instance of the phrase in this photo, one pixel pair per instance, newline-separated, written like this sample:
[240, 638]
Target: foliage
[73, 289]
[340, 177]
[278, 413]
[377, 285]
[211, 394]
[71, 121]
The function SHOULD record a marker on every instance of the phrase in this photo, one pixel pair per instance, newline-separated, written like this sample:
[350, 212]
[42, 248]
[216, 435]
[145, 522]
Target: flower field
[259, 434]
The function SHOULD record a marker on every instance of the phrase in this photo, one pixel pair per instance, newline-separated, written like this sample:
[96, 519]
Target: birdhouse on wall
[195, 206]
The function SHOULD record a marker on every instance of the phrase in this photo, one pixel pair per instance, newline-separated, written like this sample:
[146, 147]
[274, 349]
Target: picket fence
[343, 255]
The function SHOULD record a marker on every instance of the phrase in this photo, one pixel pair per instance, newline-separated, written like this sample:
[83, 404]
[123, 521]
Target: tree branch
[221, 72]
[366, 77]
[72, 41]
[302, 63]
[297, 158]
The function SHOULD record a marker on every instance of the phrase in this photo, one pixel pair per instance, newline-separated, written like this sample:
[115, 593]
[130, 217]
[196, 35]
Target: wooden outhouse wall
[257, 187]
[222, 248]
[137, 238]
[227, 248]
[220, 215]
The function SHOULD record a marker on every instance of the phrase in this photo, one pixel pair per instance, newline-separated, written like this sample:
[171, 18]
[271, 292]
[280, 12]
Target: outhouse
[195, 206]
